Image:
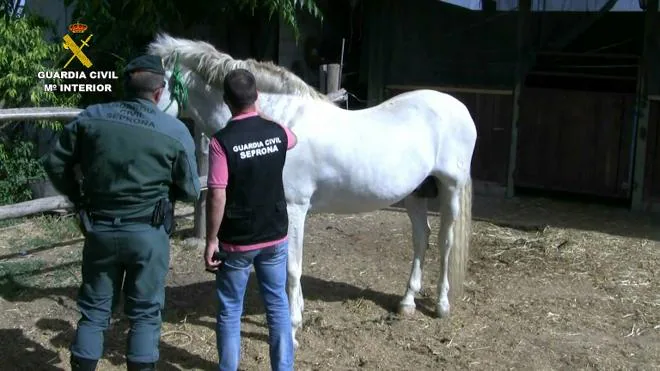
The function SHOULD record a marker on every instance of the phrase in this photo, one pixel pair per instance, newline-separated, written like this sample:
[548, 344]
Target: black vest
[256, 207]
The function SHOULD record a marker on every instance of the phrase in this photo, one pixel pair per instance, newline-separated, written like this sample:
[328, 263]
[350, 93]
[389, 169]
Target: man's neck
[141, 98]
[247, 112]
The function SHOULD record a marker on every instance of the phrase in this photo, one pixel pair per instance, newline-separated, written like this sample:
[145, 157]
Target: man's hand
[215, 208]
[211, 249]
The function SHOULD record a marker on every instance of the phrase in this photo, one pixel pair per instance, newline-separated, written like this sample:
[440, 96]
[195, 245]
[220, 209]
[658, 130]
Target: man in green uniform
[134, 159]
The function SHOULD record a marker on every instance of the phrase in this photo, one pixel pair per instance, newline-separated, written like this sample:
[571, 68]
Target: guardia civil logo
[74, 43]
[70, 44]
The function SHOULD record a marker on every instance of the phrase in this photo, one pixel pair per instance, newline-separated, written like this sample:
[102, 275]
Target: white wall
[292, 55]
[55, 11]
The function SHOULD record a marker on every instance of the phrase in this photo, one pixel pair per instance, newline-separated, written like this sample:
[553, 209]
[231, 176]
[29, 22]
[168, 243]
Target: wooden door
[575, 141]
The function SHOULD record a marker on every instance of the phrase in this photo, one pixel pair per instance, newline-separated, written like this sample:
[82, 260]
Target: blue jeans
[270, 265]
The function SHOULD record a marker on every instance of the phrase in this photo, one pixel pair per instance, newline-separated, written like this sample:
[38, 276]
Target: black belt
[104, 218]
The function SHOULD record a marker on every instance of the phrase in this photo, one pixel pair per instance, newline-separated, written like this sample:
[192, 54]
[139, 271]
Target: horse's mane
[212, 65]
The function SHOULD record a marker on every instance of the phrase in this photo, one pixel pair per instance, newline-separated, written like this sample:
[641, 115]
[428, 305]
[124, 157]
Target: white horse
[414, 147]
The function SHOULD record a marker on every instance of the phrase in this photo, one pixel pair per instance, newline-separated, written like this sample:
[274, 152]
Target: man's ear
[231, 109]
[158, 93]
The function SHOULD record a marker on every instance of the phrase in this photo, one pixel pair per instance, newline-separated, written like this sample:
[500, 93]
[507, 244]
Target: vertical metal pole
[202, 153]
[649, 56]
[341, 59]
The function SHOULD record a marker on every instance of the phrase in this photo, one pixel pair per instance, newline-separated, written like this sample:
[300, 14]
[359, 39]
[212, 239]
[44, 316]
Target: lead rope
[178, 89]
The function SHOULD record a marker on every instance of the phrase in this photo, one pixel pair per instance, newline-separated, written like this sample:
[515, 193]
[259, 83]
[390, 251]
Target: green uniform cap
[146, 63]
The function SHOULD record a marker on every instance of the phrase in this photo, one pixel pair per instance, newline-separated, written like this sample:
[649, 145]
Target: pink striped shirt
[219, 176]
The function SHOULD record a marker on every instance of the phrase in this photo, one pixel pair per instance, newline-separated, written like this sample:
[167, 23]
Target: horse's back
[366, 159]
[427, 99]
[441, 123]
[439, 114]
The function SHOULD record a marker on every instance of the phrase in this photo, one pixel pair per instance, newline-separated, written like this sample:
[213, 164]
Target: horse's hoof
[442, 311]
[296, 345]
[406, 310]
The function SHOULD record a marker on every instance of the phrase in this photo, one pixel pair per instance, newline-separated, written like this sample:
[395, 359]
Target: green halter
[178, 89]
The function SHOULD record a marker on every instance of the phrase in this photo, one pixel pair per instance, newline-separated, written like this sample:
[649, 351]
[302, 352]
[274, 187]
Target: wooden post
[524, 10]
[323, 78]
[334, 80]
[202, 153]
[649, 60]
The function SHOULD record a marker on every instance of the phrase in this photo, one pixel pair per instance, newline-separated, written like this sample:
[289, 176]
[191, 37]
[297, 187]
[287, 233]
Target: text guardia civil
[92, 86]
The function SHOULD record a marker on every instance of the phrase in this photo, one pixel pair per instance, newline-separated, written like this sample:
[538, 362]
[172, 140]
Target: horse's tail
[458, 256]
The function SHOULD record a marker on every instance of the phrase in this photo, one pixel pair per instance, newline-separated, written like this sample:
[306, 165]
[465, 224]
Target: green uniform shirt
[131, 154]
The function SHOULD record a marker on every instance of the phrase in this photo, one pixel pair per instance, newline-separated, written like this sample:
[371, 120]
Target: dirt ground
[551, 286]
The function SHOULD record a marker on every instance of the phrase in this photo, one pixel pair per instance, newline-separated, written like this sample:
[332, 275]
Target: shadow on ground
[21, 353]
[535, 213]
[195, 302]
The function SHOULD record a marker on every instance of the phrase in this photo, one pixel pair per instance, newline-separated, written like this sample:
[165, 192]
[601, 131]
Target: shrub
[18, 167]
[23, 53]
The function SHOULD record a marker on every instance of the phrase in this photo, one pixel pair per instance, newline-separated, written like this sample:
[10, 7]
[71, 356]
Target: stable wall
[474, 55]
[470, 55]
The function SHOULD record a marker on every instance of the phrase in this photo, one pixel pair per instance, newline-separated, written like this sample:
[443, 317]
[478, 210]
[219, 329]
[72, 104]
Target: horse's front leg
[417, 210]
[297, 215]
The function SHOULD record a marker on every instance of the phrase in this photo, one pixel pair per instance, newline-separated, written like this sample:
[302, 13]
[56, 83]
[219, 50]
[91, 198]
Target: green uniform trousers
[140, 252]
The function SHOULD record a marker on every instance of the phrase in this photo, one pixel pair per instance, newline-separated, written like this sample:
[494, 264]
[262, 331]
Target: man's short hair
[143, 82]
[240, 88]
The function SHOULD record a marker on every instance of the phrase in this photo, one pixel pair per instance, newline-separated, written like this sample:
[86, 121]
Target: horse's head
[196, 70]
[187, 96]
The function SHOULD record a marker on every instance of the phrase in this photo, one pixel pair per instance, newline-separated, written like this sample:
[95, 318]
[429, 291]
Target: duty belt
[103, 218]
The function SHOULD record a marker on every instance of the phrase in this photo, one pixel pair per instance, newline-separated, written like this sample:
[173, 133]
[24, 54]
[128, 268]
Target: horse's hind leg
[417, 210]
[449, 211]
